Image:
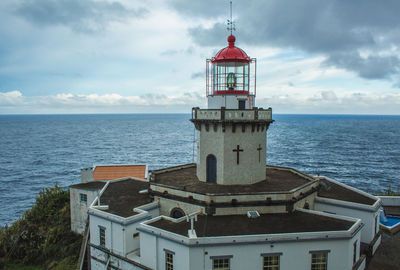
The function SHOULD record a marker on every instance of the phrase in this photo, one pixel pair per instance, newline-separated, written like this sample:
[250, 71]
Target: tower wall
[220, 139]
[229, 101]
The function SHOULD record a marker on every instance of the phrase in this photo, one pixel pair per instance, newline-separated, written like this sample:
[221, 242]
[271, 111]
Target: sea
[40, 151]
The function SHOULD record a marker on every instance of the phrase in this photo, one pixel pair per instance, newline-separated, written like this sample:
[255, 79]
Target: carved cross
[237, 150]
[259, 152]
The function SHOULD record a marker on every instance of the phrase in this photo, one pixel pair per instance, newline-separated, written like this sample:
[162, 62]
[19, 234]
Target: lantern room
[231, 78]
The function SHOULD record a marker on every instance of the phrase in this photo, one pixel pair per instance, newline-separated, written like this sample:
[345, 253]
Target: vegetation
[42, 237]
[390, 192]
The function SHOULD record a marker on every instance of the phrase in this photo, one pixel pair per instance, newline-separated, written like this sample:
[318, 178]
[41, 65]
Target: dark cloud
[197, 75]
[371, 67]
[80, 15]
[358, 35]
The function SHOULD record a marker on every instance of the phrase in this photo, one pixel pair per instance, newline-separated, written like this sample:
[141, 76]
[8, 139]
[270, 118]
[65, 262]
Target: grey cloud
[173, 52]
[197, 75]
[371, 67]
[80, 15]
[339, 30]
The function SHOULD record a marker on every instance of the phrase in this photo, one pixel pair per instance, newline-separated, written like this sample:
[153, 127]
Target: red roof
[231, 53]
[119, 171]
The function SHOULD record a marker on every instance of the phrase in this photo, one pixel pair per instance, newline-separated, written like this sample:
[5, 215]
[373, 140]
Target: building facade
[230, 210]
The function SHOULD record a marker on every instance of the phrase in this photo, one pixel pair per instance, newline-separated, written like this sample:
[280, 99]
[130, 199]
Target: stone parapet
[229, 115]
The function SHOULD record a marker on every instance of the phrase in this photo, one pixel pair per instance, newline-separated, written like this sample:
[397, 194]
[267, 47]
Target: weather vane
[231, 23]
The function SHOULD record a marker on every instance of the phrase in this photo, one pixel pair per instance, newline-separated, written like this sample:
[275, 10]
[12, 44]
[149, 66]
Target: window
[221, 264]
[319, 260]
[102, 236]
[169, 260]
[83, 197]
[242, 104]
[177, 212]
[211, 169]
[354, 252]
[271, 262]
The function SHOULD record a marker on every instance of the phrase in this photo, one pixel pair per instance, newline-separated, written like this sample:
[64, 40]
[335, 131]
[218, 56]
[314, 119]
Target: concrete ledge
[361, 263]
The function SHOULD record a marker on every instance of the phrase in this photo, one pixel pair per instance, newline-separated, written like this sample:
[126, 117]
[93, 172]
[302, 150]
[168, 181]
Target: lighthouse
[231, 131]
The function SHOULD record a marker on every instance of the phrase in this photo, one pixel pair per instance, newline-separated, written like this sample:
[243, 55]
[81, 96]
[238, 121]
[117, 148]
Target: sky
[149, 56]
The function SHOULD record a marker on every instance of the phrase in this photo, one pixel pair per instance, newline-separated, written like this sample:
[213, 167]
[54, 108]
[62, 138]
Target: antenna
[231, 23]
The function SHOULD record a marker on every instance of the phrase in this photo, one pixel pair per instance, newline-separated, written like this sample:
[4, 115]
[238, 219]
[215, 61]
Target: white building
[229, 210]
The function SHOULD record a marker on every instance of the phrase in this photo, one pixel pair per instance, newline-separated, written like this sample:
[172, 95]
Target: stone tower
[232, 131]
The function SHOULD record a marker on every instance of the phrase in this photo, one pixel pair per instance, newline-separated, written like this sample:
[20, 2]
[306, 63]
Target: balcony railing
[232, 115]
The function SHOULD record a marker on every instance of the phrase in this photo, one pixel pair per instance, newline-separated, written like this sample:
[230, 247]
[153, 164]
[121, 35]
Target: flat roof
[231, 225]
[89, 185]
[122, 196]
[332, 190]
[277, 179]
[392, 210]
[110, 172]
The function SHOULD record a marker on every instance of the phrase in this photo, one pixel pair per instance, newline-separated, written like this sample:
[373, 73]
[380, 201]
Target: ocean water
[39, 151]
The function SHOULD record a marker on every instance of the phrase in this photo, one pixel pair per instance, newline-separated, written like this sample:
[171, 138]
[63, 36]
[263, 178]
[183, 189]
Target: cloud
[371, 67]
[358, 36]
[80, 15]
[11, 98]
[197, 75]
[318, 102]
[328, 102]
[16, 102]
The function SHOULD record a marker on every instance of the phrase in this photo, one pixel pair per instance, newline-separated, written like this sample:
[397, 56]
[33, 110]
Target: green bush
[42, 236]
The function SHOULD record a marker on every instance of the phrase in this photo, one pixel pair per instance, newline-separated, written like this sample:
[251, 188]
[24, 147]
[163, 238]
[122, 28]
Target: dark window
[83, 197]
[169, 261]
[177, 212]
[242, 104]
[211, 169]
[102, 235]
[271, 262]
[319, 261]
[221, 264]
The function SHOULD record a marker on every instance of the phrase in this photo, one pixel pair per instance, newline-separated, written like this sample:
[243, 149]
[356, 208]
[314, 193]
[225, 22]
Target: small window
[242, 105]
[319, 261]
[83, 197]
[221, 264]
[135, 235]
[169, 261]
[271, 263]
[102, 236]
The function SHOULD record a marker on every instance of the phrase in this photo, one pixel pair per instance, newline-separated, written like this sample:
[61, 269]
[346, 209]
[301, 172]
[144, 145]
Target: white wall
[295, 255]
[368, 218]
[79, 209]
[390, 200]
[227, 101]
[114, 261]
[250, 169]
[119, 237]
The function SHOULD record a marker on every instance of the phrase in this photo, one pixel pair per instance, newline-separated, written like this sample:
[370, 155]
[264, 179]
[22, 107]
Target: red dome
[231, 53]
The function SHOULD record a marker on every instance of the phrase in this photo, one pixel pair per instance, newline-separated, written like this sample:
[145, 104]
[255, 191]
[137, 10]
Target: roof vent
[252, 214]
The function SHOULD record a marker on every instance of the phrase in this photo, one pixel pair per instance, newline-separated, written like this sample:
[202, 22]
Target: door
[211, 169]
[242, 104]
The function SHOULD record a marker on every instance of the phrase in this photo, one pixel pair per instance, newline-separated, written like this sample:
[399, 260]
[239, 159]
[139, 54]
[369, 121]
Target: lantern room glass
[230, 76]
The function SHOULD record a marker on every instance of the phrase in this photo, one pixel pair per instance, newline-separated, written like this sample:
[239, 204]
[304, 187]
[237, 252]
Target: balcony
[229, 115]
